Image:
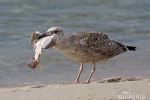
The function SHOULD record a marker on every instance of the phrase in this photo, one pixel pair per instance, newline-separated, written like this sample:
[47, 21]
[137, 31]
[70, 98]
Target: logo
[128, 93]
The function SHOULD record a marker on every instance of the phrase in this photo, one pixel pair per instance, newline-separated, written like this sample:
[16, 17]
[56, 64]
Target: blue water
[127, 21]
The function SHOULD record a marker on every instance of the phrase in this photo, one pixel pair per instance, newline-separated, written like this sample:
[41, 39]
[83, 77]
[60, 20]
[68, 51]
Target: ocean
[127, 21]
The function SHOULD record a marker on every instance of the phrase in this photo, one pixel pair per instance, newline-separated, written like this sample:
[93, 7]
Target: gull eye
[56, 31]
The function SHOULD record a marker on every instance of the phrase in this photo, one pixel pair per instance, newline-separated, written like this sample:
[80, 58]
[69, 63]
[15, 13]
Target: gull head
[56, 31]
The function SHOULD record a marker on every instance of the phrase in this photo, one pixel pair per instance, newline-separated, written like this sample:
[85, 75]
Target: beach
[124, 89]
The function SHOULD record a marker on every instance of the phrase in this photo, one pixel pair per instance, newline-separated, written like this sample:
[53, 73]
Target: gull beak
[42, 36]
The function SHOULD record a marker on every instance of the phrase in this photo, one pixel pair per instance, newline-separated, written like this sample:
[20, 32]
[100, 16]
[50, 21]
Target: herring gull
[81, 47]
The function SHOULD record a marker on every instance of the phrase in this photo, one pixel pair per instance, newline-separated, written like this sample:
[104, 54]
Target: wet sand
[115, 88]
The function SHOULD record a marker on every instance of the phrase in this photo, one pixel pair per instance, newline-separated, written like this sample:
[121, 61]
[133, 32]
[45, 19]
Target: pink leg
[88, 80]
[80, 70]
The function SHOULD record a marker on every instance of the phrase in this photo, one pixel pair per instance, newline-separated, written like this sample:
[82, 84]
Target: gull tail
[131, 48]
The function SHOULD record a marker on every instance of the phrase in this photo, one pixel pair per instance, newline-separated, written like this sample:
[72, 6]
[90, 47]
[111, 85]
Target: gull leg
[80, 71]
[93, 70]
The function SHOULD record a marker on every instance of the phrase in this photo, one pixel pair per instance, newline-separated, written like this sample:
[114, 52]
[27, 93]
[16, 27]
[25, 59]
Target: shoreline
[99, 90]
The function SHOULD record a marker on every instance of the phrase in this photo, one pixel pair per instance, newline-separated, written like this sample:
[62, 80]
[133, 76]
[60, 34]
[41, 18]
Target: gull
[81, 47]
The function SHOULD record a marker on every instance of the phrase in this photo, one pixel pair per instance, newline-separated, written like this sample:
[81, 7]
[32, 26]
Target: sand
[107, 89]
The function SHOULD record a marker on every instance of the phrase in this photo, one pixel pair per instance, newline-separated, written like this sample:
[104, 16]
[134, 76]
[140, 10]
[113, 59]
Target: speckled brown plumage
[90, 47]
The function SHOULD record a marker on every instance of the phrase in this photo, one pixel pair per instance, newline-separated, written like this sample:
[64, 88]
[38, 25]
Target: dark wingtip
[132, 48]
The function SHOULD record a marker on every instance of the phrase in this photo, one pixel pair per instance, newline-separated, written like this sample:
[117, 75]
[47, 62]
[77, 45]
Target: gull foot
[86, 82]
